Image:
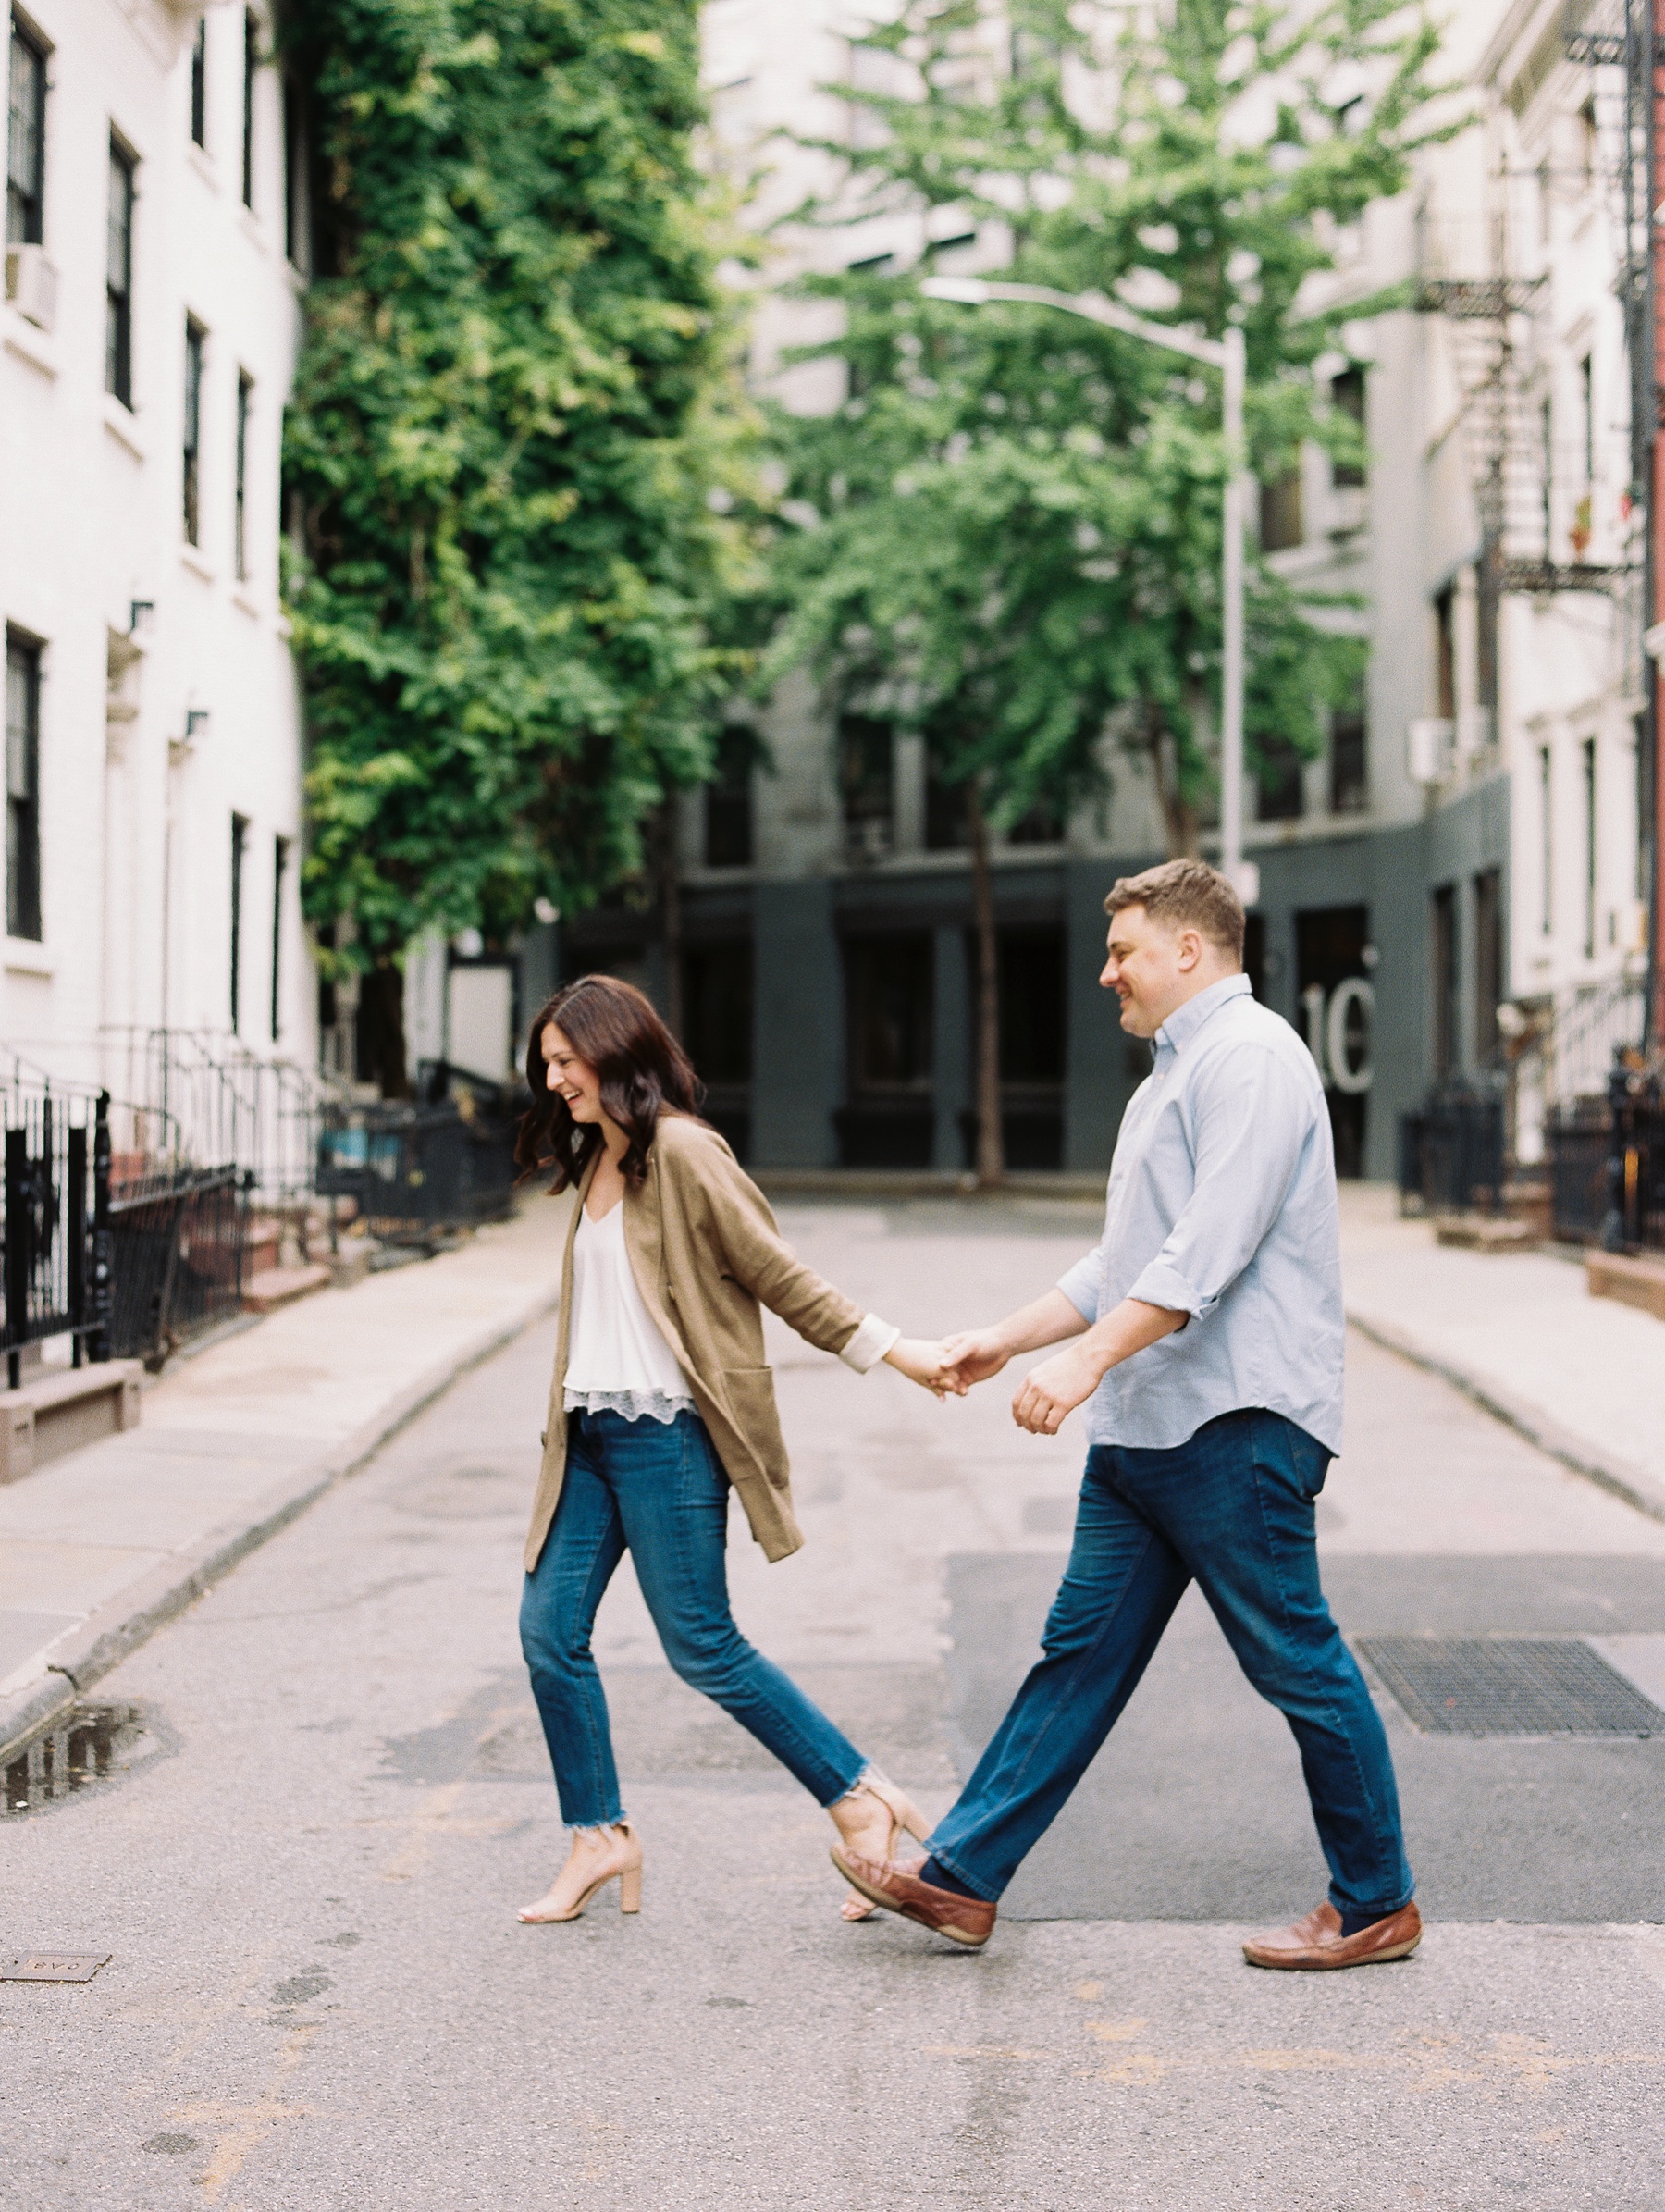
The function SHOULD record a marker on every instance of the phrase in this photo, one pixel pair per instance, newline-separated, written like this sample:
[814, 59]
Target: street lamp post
[1227, 355]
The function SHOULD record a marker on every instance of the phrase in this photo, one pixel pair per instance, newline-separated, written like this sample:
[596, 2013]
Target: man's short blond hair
[1185, 895]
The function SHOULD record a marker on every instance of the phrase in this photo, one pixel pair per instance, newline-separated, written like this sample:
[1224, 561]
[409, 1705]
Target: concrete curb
[82, 1655]
[1633, 1484]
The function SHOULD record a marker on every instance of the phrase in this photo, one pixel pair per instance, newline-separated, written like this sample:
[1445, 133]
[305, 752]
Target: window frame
[29, 198]
[241, 826]
[24, 919]
[118, 283]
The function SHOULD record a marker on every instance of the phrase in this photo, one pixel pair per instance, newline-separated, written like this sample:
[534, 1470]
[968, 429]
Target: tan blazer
[705, 1252]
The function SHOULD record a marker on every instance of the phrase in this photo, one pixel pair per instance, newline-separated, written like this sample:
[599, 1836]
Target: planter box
[1633, 1282]
[59, 1413]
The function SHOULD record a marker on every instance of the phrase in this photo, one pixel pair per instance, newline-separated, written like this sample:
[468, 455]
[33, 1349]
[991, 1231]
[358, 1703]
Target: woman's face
[570, 1076]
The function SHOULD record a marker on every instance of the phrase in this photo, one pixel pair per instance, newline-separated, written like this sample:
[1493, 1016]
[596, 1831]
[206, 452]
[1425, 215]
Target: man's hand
[1055, 1389]
[974, 1354]
[1058, 1385]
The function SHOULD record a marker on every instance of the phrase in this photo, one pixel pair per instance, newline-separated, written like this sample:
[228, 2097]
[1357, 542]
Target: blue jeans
[1233, 1507]
[659, 1489]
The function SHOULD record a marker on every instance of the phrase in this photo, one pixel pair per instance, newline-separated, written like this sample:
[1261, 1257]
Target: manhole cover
[1509, 1685]
[79, 1750]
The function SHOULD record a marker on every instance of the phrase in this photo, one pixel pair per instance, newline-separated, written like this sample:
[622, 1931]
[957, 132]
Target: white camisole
[618, 1360]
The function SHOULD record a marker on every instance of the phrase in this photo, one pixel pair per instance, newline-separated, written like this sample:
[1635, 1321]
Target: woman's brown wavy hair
[642, 1069]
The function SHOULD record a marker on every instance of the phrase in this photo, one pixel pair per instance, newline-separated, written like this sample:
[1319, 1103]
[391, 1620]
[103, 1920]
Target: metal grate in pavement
[1509, 1685]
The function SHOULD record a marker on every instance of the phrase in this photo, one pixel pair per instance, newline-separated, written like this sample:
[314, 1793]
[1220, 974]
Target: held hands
[925, 1362]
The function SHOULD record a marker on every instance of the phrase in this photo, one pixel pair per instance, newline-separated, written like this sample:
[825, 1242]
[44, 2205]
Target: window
[717, 1030]
[1281, 783]
[199, 84]
[240, 506]
[947, 815]
[1281, 520]
[1546, 446]
[1546, 838]
[1445, 980]
[1445, 652]
[118, 277]
[1041, 826]
[1587, 399]
[295, 243]
[889, 982]
[866, 785]
[1589, 848]
[240, 850]
[728, 802]
[191, 440]
[23, 788]
[281, 859]
[1488, 961]
[1349, 761]
[26, 142]
[250, 62]
[1347, 396]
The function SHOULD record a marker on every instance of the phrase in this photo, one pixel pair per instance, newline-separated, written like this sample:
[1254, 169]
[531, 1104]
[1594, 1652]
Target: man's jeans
[1232, 1507]
[659, 1489]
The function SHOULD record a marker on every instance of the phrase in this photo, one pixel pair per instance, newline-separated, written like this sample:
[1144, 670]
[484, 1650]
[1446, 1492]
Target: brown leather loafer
[970, 1921]
[1315, 1943]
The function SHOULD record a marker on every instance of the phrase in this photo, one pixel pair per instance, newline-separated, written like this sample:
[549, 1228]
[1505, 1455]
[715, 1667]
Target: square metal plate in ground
[51, 1966]
[1509, 1685]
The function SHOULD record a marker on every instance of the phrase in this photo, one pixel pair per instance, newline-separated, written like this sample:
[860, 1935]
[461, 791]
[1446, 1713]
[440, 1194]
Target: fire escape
[1498, 319]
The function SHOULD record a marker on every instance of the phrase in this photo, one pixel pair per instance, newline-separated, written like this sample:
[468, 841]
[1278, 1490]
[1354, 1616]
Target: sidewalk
[98, 1550]
[1583, 1378]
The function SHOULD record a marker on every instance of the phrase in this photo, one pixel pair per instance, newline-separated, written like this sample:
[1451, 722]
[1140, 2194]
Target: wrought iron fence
[1607, 1163]
[1454, 1154]
[179, 1245]
[417, 1168]
[54, 1237]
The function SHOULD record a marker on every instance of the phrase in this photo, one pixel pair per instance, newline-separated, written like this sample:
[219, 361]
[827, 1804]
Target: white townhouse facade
[147, 342]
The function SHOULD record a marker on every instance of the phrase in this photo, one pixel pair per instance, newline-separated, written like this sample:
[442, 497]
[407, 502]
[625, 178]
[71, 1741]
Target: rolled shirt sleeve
[870, 1343]
[1081, 1284]
[1252, 1121]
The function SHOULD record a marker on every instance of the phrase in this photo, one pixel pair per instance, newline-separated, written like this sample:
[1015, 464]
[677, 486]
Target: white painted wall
[136, 825]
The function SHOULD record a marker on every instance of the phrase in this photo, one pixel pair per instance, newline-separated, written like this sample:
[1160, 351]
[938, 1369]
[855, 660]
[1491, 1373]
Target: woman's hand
[925, 1363]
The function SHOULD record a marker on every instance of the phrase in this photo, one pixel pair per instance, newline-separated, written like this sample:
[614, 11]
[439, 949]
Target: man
[1205, 1336]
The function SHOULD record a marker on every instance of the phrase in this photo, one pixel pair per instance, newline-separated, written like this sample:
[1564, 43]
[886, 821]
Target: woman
[661, 1401]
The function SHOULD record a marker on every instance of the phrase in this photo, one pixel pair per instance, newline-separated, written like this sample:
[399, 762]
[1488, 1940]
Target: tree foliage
[1013, 518]
[515, 465]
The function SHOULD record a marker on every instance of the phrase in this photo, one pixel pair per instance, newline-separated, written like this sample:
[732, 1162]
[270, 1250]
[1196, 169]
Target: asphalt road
[306, 1861]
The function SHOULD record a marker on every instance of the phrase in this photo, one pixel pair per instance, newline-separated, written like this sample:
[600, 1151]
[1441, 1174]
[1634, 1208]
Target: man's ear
[1190, 949]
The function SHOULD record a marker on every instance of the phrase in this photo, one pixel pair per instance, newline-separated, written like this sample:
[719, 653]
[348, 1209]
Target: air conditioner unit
[31, 284]
[1428, 749]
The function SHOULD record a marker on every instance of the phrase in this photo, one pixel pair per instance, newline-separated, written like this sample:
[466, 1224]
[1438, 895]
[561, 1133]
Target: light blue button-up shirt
[1222, 1205]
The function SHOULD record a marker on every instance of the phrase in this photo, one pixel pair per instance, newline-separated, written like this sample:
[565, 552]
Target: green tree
[515, 462]
[1012, 523]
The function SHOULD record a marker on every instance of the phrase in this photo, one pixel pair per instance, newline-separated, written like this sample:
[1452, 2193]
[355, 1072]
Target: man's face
[1150, 968]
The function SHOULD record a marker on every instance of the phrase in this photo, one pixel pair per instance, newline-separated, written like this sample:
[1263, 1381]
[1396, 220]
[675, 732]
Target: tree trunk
[381, 1030]
[990, 1147]
[1179, 817]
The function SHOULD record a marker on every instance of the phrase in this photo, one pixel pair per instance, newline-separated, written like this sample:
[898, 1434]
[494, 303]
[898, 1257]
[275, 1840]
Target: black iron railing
[178, 1252]
[1453, 1149]
[1607, 1163]
[415, 1169]
[54, 1256]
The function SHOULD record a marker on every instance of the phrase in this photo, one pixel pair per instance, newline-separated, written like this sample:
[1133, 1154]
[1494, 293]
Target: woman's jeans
[657, 1488]
[1233, 1507]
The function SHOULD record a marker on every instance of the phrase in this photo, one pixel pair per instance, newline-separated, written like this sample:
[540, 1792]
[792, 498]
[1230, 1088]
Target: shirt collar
[1184, 1022]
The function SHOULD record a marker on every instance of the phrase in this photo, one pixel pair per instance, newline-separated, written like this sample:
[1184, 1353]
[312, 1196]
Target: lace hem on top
[631, 1405]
